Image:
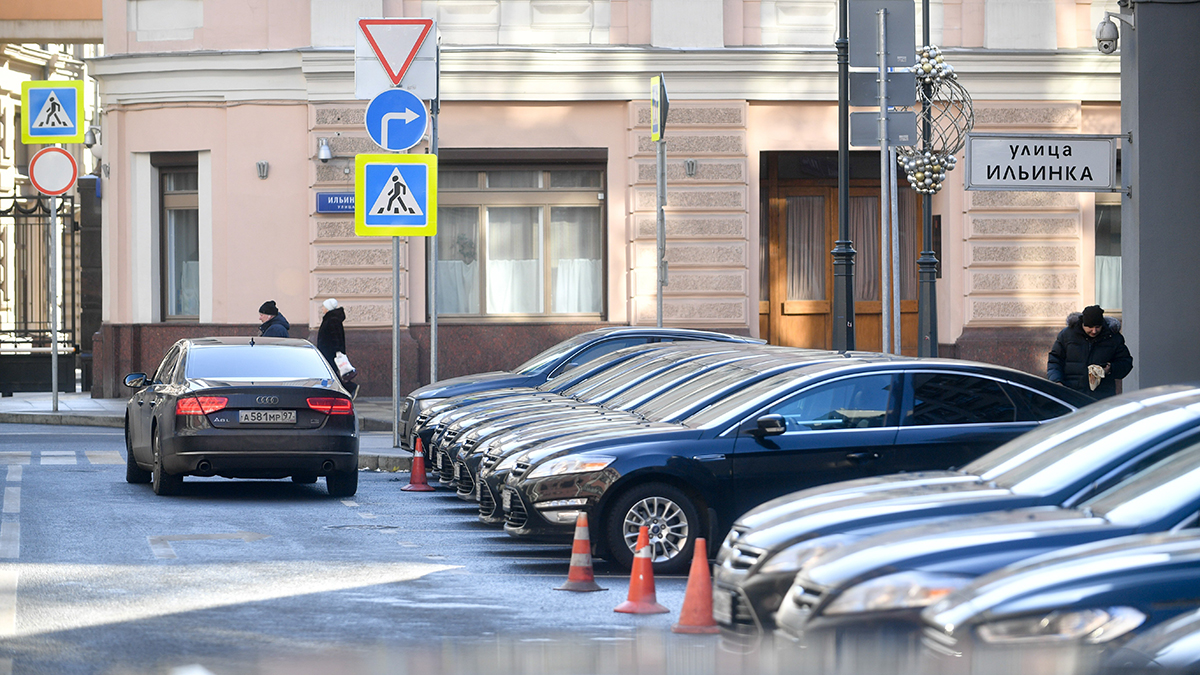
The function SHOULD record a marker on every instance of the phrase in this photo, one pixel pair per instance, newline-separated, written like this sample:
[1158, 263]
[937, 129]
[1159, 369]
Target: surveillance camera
[1106, 36]
[323, 152]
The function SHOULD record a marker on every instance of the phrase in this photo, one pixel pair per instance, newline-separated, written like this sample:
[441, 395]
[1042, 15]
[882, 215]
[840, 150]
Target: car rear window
[245, 362]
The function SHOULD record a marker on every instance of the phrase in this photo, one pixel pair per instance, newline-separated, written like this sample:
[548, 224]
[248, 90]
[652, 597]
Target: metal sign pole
[895, 223]
[434, 106]
[53, 249]
[395, 342]
[885, 230]
[662, 225]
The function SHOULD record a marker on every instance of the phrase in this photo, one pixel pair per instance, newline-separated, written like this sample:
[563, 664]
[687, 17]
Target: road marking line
[8, 609]
[10, 540]
[14, 473]
[350, 502]
[104, 457]
[363, 514]
[59, 457]
[14, 457]
[161, 545]
[12, 500]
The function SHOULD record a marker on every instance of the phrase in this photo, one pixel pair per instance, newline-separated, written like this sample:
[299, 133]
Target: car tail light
[200, 405]
[332, 406]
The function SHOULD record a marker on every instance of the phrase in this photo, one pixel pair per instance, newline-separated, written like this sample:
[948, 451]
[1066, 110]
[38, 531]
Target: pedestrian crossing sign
[395, 195]
[52, 112]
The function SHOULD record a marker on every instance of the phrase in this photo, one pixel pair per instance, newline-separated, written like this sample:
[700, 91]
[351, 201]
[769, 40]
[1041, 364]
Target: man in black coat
[331, 336]
[1090, 339]
[273, 323]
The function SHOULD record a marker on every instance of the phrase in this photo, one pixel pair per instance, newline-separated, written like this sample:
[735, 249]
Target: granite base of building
[1025, 349]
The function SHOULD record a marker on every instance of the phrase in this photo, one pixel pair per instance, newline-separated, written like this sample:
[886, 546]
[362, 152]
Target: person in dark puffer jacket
[273, 323]
[1090, 338]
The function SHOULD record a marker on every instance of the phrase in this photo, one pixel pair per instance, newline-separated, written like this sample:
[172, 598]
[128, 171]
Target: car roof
[241, 340]
[682, 332]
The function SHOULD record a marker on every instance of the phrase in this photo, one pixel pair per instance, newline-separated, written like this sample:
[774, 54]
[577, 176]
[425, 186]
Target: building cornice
[585, 74]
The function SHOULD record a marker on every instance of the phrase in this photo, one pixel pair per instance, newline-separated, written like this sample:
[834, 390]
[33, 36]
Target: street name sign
[1042, 162]
[335, 202]
[53, 171]
[396, 120]
[395, 195]
[392, 53]
[52, 112]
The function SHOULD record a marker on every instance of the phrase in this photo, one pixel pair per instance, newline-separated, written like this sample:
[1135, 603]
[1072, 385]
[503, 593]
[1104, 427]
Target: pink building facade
[214, 113]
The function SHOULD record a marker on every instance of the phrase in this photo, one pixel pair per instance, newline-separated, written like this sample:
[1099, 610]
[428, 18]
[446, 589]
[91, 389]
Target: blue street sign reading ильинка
[395, 195]
[335, 202]
[396, 120]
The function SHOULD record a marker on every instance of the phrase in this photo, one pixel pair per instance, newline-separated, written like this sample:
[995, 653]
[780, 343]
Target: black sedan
[554, 361]
[1061, 463]
[828, 420]
[1171, 648]
[888, 579]
[1066, 607]
[241, 408]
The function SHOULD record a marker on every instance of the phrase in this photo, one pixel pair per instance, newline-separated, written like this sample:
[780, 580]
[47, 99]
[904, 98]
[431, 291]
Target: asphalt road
[100, 576]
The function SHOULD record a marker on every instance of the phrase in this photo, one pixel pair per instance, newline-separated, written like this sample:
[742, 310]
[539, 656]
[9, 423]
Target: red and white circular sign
[53, 171]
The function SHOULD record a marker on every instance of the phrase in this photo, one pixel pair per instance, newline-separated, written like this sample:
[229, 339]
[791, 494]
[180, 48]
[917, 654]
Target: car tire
[342, 483]
[305, 478]
[673, 520]
[133, 472]
[164, 484]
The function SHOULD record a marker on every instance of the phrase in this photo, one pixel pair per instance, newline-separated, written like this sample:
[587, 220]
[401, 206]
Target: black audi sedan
[1063, 462]
[241, 407]
[885, 581]
[1067, 607]
[829, 420]
[551, 363]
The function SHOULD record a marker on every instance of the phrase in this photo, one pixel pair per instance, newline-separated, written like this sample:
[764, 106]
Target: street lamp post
[843, 250]
[927, 344]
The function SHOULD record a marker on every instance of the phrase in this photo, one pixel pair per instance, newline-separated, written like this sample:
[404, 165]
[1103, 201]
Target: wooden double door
[800, 228]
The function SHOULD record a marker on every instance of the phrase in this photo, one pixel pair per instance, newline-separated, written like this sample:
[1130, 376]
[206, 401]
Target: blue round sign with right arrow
[396, 119]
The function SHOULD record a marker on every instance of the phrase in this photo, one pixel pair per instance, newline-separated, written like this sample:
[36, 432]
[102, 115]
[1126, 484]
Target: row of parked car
[955, 507]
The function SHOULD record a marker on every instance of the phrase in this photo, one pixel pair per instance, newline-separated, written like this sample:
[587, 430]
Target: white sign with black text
[1042, 162]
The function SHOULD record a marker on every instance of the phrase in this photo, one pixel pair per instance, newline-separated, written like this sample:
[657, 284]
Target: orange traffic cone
[642, 599]
[579, 576]
[697, 613]
[416, 479]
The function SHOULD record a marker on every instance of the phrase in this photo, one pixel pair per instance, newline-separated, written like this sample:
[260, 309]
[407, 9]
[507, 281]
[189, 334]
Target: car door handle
[862, 456]
[710, 458]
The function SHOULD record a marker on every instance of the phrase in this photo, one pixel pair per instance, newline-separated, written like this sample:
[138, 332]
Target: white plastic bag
[346, 370]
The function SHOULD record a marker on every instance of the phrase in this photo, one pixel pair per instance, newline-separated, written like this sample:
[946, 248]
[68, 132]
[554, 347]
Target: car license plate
[266, 416]
[457, 470]
[437, 461]
[506, 498]
[722, 606]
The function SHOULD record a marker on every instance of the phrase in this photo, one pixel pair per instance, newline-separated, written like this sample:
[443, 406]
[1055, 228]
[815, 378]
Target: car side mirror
[771, 425]
[135, 380]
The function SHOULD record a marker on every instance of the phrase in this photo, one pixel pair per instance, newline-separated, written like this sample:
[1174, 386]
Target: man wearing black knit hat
[1090, 355]
[273, 323]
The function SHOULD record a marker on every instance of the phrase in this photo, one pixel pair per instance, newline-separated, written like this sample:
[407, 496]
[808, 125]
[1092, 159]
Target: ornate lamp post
[947, 116]
[843, 250]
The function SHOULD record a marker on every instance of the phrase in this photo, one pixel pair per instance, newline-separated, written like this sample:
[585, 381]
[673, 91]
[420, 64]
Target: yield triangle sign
[395, 42]
[396, 199]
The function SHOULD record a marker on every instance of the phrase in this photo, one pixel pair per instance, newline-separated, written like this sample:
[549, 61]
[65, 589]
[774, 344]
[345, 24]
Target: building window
[520, 241]
[1108, 251]
[180, 243]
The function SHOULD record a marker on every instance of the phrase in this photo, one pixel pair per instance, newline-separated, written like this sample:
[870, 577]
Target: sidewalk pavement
[80, 409]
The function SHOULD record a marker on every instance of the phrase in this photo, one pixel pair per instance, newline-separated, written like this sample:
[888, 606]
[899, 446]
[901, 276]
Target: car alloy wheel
[670, 518]
[164, 484]
[133, 472]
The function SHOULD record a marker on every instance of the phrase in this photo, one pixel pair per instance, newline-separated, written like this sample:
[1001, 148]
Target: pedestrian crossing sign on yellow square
[395, 195]
[52, 112]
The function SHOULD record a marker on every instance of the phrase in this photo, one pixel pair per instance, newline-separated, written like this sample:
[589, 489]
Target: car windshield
[725, 383]
[1046, 436]
[553, 355]
[758, 392]
[246, 362]
[1069, 460]
[1167, 486]
[592, 368]
[635, 369]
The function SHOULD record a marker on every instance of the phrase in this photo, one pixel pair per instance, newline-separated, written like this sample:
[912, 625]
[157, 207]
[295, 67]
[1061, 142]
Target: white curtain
[1108, 281]
[577, 286]
[458, 287]
[806, 248]
[513, 287]
[864, 232]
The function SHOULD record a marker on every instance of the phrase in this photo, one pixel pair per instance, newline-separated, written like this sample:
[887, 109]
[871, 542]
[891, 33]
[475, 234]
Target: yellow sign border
[360, 200]
[27, 118]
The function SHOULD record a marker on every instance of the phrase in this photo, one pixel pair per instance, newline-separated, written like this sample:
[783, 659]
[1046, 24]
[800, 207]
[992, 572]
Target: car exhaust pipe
[204, 466]
[327, 466]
